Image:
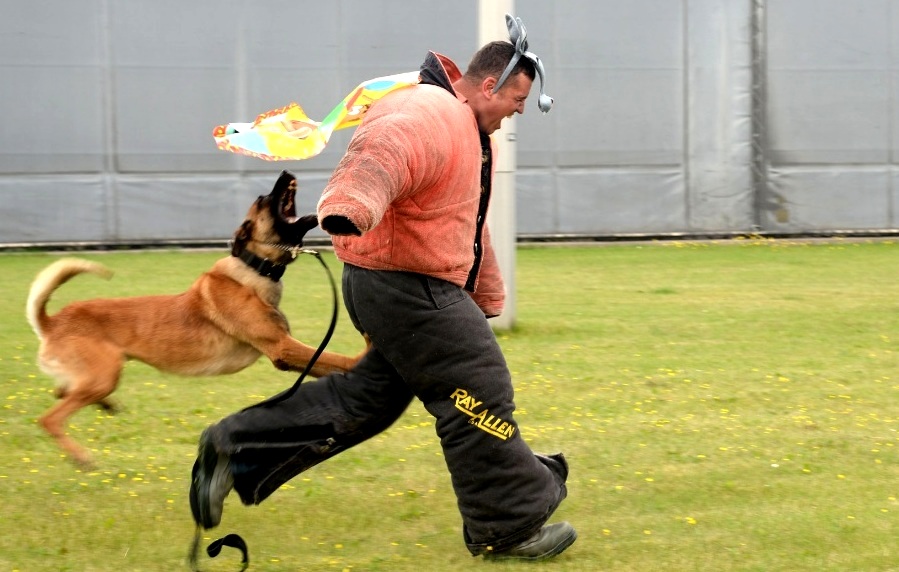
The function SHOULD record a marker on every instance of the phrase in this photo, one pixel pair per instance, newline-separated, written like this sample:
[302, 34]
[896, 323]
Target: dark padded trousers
[432, 342]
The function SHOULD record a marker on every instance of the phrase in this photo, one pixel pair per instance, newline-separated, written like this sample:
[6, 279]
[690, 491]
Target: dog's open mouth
[287, 206]
[287, 227]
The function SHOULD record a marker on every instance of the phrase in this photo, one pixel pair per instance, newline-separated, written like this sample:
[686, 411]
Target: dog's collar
[263, 266]
[293, 250]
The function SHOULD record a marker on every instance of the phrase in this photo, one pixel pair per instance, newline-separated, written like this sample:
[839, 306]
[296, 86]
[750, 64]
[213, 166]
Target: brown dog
[222, 324]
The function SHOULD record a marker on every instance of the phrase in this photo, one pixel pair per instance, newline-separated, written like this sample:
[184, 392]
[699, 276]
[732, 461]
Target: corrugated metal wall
[832, 103]
[671, 116]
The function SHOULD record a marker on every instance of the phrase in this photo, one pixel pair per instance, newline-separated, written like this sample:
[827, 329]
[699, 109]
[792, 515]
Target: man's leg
[266, 445]
[442, 345]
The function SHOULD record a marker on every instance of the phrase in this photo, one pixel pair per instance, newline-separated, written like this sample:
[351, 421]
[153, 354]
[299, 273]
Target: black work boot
[550, 541]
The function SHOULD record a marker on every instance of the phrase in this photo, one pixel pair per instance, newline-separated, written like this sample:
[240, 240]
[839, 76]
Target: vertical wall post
[759, 119]
[501, 218]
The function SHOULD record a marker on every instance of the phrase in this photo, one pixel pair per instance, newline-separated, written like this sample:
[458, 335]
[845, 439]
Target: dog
[223, 323]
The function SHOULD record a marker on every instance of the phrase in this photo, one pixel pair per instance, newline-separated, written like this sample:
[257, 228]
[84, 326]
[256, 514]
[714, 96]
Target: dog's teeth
[293, 219]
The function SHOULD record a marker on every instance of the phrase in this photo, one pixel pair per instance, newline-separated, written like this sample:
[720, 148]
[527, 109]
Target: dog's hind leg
[90, 387]
[108, 405]
[54, 423]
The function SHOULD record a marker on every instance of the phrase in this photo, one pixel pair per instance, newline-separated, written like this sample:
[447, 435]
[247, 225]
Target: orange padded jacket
[410, 182]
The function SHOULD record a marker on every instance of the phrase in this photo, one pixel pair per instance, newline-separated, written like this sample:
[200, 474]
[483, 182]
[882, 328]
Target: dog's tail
[51, 278]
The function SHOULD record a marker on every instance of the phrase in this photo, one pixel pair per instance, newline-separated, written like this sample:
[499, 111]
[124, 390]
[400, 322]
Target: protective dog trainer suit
[419, 281]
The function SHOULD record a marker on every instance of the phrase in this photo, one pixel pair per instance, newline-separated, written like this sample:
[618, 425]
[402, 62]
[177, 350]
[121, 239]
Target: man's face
[505, 102]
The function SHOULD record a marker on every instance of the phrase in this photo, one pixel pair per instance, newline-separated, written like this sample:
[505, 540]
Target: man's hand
[340, 225]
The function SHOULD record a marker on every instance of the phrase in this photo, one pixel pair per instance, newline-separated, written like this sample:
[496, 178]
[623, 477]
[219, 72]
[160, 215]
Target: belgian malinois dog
[222, 324]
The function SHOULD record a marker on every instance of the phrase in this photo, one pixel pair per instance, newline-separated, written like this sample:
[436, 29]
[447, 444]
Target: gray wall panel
[718, 117]
[629, 118]
[836, 116]
[620, 201]
[829, 81]
[634, 34]
[51, 33]
[54, 209]
[831, 111]
[172, 33]
[658, 123]
[174, 72]
[54, 121]
[842, 198]
[51, 90]
[830, 34]
[207, 207]
[536, 201]
[615, 69]
[182, 141]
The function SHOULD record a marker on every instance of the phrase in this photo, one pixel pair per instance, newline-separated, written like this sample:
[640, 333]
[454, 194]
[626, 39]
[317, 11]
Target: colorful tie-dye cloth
[287, 133]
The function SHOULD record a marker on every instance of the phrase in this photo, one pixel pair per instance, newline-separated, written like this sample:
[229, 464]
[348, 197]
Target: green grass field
[724, 407]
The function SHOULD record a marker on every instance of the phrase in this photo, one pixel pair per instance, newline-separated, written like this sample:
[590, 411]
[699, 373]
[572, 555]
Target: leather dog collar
[263, 266]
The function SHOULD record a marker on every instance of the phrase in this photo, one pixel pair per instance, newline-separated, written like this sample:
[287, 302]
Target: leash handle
[215, 548]
[234, 541]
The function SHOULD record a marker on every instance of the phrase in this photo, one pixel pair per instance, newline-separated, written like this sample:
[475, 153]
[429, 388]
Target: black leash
[321, 347]
[235, 540]
[215, 548]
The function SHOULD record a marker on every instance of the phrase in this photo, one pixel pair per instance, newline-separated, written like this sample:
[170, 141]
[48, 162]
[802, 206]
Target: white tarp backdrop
[671, 116]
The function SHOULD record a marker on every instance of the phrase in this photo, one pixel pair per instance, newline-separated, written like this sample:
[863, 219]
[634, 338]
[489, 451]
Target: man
[407, 207]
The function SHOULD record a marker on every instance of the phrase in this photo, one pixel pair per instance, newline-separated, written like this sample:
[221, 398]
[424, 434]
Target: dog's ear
[241, 237]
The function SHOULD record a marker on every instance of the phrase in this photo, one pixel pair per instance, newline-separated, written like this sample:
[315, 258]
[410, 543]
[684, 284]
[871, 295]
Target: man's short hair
[491, 60]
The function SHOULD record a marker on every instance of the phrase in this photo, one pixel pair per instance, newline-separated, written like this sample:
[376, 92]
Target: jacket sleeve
[386, 160]
[490, 293]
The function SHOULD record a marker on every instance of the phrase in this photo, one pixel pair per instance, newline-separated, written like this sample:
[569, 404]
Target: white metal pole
[501, 217]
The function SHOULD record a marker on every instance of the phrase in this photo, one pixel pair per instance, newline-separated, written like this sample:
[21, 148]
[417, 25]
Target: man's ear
[487, 86]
